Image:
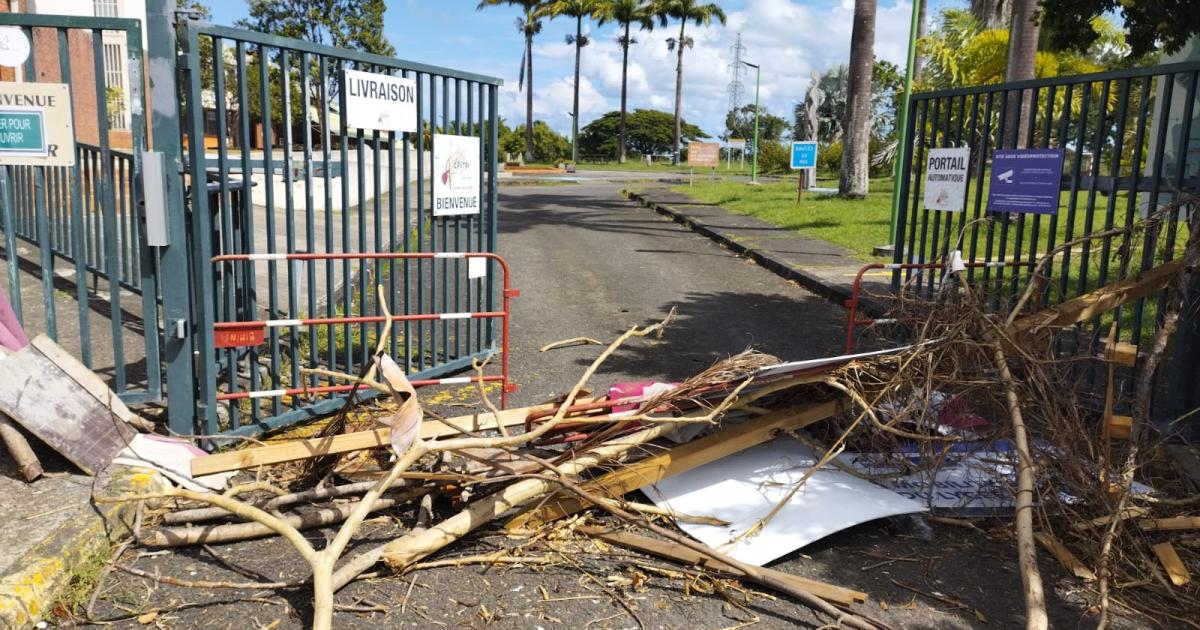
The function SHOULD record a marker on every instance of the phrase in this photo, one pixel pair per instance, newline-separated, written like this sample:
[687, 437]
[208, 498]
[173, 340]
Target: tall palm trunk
[624, 78]
[575, 109]
[1022, 58]
[678, 89]
[853, 181]
[918, 60]
[528, 97]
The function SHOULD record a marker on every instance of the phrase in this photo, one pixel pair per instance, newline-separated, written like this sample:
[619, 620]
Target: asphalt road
[590, 264]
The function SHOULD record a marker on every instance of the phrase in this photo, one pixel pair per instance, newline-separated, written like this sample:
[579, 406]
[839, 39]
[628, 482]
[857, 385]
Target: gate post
[175, 281]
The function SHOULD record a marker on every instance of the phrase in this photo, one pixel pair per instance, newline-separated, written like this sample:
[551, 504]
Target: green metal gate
[73, 237]
[1129, 139]
[295, 217]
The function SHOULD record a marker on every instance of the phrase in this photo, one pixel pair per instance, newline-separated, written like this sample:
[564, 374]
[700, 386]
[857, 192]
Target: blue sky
[790, 38]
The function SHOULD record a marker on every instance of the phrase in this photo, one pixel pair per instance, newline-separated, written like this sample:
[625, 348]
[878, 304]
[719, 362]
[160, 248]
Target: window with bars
[114, 81]
[105, 8]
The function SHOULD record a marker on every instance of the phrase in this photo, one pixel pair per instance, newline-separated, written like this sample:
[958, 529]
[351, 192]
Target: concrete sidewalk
[824, 268]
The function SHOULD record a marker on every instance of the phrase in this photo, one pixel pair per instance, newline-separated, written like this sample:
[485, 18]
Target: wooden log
[210, 534]
[683, 555]
[199, 515]
[1179, 522]
[1064, 556]
[18, 447]
[348, 442]
[1170, 560]
[679, 459]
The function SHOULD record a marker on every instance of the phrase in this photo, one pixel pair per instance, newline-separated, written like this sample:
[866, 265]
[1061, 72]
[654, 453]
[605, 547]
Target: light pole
[757, 83]
[902, 125]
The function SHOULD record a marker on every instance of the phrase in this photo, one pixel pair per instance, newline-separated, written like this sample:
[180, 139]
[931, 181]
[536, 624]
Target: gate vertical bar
[164, 101]
[202, 271]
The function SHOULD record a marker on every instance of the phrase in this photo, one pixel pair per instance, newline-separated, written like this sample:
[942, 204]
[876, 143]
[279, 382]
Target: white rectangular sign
[455, 175]
[380, 101]
[36, 124]
[946, 179]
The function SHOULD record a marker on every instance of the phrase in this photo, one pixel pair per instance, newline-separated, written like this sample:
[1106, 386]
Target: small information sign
[804, 154]
[704, 154]
[946, 179]
[1026, 180]
[36, 124]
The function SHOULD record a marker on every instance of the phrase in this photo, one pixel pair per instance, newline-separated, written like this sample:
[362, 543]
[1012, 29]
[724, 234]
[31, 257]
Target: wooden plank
[1101, 300]
[683, 555]
[39, 396]
[87, 379]
[1170, 560]
[357, 441]
[1122, 353]
[1133, 511]
[1178, 522]
[678, 460]
[1064, 556]
[1120, 427]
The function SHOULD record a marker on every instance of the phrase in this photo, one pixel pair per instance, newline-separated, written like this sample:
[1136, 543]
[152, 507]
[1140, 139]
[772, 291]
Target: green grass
[857, 225]
[660, 167]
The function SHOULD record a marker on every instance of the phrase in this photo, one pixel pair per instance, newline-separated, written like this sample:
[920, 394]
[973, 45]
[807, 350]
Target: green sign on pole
[22, 132]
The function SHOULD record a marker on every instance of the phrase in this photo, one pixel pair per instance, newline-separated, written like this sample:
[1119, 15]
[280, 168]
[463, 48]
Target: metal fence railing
[76, 267]
[1127, 139]
[286, 175]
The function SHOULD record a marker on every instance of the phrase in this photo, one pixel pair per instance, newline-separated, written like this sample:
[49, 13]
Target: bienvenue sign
[455, 175]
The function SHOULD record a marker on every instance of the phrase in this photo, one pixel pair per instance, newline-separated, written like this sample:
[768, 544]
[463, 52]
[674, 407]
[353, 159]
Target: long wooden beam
[679, 553]
[1101, 300]
[357, 441]
[680, 459]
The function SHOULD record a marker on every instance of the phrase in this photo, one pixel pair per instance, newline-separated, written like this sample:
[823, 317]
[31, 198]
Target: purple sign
[1026, 180]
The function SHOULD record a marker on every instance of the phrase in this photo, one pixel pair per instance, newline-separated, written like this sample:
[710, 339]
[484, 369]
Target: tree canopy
[548, 145]
[649, 132]
[356, 24]
[739, 123]
[1151, 24]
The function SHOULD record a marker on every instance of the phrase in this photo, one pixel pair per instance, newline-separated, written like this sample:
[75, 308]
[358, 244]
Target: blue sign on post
[804, 155]
[1026, 180]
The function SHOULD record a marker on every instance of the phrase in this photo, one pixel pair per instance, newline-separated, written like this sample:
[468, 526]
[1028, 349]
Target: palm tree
[991, 13]
[1022, 57]
[577, 9]
[853, 180]
[626, 13]
[529, 25]
[685, 11]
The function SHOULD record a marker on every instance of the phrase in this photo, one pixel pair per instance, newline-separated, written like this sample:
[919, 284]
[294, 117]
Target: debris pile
[978, 416]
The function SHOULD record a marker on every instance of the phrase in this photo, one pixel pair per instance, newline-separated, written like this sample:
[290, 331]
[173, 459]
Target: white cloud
[790, 39]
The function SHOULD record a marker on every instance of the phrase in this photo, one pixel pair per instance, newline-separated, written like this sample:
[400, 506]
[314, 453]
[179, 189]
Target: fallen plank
[347, 442]
[683, 555]
[678, 460]
[1064, 556]
[1178, 522]
[1133, 511]
[89, 381]
[39, 396]
[1101, 300]
[1170, 560]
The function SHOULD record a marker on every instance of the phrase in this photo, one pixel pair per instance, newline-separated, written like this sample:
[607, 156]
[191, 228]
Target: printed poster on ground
[455, 175]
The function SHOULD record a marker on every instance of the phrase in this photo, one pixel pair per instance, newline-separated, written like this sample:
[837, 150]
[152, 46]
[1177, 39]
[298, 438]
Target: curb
[835, 293]
[27, 592]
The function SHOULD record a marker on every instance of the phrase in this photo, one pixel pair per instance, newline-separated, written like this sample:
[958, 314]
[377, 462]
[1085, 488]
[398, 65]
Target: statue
[813, 99]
